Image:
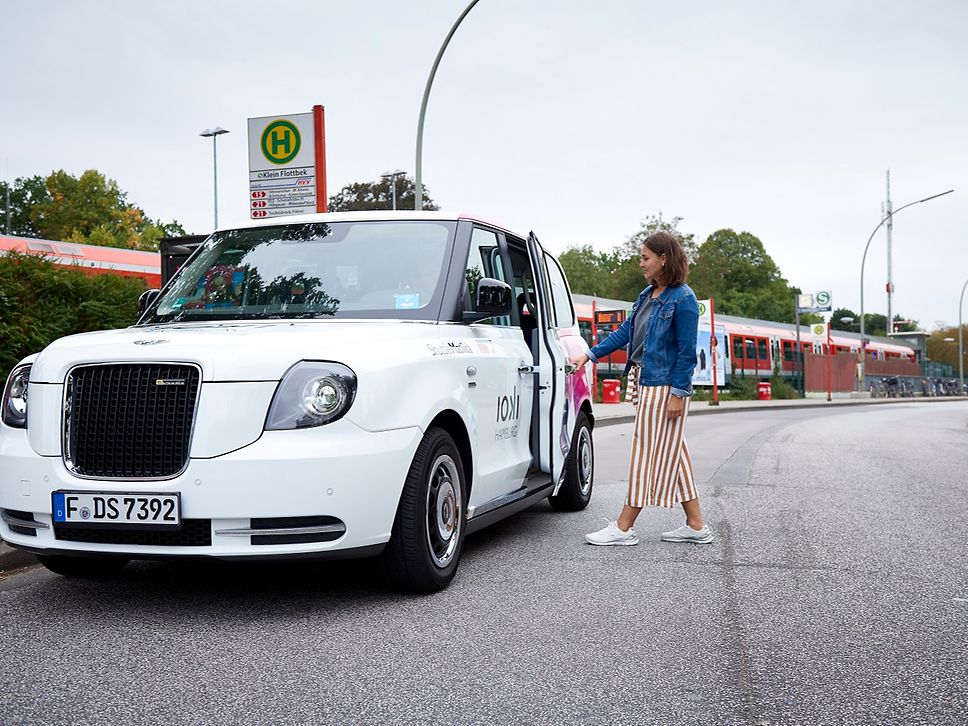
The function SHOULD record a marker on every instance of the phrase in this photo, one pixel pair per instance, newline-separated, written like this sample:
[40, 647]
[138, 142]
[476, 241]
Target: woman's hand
[579, 361]
[676, 407]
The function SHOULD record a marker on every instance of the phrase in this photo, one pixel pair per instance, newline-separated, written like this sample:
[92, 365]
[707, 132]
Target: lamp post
[418, 177]
[961, 343]
[392, 176]
[214, 133]
[889, 216]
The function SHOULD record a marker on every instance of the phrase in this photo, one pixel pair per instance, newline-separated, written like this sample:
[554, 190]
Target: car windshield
[386, 269]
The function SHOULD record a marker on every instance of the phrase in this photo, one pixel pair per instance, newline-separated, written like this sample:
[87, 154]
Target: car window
[387, 269]
[484, 260]
[560, 299]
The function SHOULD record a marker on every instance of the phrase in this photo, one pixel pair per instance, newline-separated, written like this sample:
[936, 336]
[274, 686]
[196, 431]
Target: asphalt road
[836, 593]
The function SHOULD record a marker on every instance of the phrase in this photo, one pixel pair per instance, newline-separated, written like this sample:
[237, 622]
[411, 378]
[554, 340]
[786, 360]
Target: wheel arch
[451, 422]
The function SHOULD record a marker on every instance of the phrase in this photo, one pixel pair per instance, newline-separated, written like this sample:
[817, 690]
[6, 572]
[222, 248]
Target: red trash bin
[610, 390]
[764, 391]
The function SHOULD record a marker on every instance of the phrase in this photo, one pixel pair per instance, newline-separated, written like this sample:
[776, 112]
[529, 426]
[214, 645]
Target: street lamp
[961, 343]
[392, 176]
[889, 215]
[214, 133]
[418, 178]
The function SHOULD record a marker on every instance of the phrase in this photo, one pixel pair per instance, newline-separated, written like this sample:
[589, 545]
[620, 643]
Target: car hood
[248, 351]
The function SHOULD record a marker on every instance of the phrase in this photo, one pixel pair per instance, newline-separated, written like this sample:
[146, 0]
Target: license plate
[109, 509]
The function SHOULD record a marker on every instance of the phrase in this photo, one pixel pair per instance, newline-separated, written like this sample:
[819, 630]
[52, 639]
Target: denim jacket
[669, 355]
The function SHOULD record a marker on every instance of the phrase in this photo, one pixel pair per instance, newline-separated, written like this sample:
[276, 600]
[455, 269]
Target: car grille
[193, 533]
[130, 421]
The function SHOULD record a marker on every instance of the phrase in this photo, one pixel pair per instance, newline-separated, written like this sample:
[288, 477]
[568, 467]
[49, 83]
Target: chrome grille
[130, 420]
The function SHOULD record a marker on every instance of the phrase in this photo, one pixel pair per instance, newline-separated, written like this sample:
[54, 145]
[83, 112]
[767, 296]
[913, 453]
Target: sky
[576, 120]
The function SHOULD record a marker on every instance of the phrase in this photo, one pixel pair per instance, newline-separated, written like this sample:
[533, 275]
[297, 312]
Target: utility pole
[889, 215]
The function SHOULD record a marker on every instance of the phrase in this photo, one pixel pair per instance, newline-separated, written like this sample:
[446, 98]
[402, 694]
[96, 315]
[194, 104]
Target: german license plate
[110, 509]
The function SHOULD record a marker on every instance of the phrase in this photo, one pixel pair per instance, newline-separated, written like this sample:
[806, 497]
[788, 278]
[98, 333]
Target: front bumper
[337, 471]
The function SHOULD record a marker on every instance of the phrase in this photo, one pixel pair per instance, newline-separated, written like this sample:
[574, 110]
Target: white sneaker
[612, 535]
[685, 533]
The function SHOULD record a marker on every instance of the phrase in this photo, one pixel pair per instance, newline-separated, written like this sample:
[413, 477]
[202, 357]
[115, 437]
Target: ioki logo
[509, 407]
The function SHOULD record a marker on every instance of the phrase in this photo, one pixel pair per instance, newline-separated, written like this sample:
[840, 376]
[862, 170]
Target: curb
[12, 559]
[629, 418]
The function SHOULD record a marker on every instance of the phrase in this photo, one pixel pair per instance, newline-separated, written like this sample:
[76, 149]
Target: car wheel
[83, 566]
[428, 532]
[576, 490]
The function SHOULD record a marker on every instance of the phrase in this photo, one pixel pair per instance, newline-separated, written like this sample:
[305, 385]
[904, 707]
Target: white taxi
[338, 385]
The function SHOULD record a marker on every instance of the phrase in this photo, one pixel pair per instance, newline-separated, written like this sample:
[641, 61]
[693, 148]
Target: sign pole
[713, 345]
[798, 354]
[319, 127]
[830, 352]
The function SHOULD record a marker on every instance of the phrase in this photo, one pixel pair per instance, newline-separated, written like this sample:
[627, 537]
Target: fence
[843, 372]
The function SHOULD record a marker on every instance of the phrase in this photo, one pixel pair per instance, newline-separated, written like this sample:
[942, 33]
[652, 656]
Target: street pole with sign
[830, 352]
[712, 347]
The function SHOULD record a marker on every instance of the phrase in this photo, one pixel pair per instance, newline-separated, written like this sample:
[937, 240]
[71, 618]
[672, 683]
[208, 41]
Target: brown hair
[676, 268]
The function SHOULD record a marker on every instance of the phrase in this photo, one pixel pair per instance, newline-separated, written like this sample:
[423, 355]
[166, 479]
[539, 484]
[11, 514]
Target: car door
[554, 419]
[501, 395]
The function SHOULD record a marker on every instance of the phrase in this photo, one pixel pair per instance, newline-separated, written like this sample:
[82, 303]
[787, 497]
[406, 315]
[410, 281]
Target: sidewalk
[607, 414]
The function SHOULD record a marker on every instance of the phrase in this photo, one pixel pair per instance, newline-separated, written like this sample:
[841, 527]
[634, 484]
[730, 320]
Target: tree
[734, 268]
[626, 280]
[92, 209]
[942, 352]
[25, 192]
[587, 271]
[366, 196]
[836, 322]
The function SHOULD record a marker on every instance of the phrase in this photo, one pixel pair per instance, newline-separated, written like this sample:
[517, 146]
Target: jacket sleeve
[686, 323]
[618, 338]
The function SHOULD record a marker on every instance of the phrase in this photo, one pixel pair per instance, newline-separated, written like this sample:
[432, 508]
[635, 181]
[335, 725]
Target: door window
[484, 260]
[560, 299]
[763, 352]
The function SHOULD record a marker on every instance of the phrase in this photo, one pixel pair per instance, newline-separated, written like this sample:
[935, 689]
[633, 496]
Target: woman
[661, 338]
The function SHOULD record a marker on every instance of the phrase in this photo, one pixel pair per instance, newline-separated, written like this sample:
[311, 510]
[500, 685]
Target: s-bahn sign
[287, 164]
[820, 302]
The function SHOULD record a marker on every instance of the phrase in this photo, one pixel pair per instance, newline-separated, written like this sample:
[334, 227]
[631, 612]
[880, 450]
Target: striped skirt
[660, 473]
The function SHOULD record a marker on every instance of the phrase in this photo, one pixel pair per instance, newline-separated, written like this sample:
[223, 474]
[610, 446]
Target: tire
[428, 533]
[83, 566]
[576, 490]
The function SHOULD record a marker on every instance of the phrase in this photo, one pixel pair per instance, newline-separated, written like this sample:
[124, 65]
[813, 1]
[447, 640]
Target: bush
[40, 302]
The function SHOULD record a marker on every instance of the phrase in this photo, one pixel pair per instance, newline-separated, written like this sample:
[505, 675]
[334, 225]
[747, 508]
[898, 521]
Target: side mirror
[493, 300]
[146, 300]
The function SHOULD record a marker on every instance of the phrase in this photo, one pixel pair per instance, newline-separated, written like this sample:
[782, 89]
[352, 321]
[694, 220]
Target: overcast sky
[575, 119]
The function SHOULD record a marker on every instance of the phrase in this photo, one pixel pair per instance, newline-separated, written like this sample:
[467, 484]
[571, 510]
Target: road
[836, 593]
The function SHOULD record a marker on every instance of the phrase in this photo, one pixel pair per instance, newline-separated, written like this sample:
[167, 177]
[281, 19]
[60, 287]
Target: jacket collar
[663, 297]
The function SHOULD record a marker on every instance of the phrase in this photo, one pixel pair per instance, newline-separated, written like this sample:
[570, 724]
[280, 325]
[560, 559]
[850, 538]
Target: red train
[91, 259]
[752, 347]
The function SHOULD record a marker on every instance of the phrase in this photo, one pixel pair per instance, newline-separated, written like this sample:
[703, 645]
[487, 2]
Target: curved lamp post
[961, 343]
[889, 215]
[418, 180]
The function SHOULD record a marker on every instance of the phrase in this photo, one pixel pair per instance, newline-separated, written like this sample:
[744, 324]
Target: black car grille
[193, 533]
[130, 421]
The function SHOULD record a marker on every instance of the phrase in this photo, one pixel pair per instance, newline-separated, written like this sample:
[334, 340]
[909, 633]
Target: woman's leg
[693, 515]
[627, 518]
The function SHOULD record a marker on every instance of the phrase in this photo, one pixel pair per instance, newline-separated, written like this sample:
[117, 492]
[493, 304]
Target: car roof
[372, 216]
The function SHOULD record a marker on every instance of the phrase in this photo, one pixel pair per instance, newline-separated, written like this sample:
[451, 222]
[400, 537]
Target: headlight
[15, 398]
[311, 393]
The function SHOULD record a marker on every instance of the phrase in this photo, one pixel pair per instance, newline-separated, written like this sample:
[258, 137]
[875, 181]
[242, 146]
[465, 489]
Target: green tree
[366, 196]
[588, 271]
[25, 193]
[625, 275]
[735, 269]
[92, 209]
[942, 352]
[836, 322]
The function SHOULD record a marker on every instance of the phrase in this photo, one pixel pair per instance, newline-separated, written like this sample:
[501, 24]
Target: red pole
[830, 351]
[594, 342]
[319, 128]
[713, 344]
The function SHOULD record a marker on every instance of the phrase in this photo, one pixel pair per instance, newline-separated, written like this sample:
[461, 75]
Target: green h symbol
[280, 137]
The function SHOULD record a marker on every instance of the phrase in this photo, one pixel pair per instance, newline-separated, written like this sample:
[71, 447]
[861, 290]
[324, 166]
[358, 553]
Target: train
[90, 259]
[757, 348]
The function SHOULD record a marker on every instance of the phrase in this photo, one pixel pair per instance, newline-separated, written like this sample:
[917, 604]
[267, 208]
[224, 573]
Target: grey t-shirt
[639, 330]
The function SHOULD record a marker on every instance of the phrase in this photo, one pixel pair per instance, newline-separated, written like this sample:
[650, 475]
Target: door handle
[523, 368]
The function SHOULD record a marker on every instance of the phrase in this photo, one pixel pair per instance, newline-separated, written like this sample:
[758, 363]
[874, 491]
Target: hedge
[40, 302]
